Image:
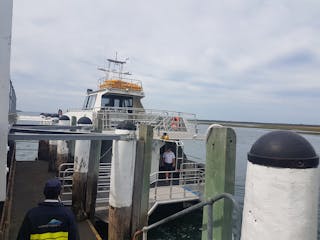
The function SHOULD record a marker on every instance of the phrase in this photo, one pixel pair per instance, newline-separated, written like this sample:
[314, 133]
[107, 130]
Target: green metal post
[220, 177]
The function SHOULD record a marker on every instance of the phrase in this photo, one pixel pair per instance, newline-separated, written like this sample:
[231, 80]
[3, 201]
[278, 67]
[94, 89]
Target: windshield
[89, 102]
[116, 101]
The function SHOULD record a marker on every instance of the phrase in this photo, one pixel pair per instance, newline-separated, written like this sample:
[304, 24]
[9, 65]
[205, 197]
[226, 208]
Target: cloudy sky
[248, 60]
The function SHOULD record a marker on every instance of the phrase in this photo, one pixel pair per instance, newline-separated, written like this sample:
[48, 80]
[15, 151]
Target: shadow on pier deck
[29, 180]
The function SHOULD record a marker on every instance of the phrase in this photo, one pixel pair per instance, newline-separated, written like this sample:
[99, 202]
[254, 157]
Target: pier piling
[81, 162]
[140, 199]
[43, 150]
[62, 146]
[52, 156]
[93, 171]
[72, 143]
[219, 178]
[282, 187]
[121, 183]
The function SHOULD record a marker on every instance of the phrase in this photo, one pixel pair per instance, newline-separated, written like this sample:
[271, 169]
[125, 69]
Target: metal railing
[161, 120]
[103, 188]
[188, 179]
[209, 203]
[128, 84]
[186, 182]
[65, 175]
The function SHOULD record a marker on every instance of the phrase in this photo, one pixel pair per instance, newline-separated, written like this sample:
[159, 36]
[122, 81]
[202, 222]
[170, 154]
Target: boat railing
[177, 124]
[188, 179]
[65, 174]
[127, 84]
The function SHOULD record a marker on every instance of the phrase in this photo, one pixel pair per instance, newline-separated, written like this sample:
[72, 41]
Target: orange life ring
[175, 123]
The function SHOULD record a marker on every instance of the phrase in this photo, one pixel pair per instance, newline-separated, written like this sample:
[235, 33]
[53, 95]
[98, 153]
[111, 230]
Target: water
[190, 226]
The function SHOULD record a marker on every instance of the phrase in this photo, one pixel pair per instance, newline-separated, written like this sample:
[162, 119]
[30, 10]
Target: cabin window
[116, 101]
[89, 102]
[106, 101]
[127, 102]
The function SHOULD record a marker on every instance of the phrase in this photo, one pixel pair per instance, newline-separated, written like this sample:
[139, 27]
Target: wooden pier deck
[30, 177]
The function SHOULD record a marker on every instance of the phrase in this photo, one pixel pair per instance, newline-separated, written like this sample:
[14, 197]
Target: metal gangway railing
[236, 234]
[103, 186]
[184, 184]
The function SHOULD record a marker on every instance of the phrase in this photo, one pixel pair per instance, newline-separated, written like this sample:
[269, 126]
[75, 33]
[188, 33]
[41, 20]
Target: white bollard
[62, 145]
[81, 162]
[82, 148]
[121, 183]
[122, 170]
[281, 192]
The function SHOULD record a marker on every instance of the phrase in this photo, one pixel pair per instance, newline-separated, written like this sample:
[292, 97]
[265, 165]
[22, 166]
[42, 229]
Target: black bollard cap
[283, 149]
[84, 120]
[64, 118]
[127, 125]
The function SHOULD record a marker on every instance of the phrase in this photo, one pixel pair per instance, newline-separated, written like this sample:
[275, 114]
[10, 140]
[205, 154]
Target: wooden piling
[79, 195]
[62, 146]
[81, 162]
[93, 172]
[140, 199]
[43, 150]
[71, 143]
[219, 178]
[52, 155]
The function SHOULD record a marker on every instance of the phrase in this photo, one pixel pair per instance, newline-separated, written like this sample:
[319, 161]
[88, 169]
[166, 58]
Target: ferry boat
[118, 98]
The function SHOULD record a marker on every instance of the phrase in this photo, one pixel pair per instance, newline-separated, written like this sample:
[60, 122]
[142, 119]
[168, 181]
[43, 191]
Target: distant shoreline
[301, 128]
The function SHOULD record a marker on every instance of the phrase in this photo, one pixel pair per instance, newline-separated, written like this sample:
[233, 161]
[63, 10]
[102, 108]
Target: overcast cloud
[249, 60]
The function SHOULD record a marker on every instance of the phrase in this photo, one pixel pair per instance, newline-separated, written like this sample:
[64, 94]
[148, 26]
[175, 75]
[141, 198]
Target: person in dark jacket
[51, 219]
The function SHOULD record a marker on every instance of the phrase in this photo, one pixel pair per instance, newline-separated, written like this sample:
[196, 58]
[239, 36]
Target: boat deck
[30, 177]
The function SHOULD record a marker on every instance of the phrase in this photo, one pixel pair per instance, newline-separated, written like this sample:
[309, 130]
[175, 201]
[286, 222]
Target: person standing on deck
[169, 161]
[51, 219]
